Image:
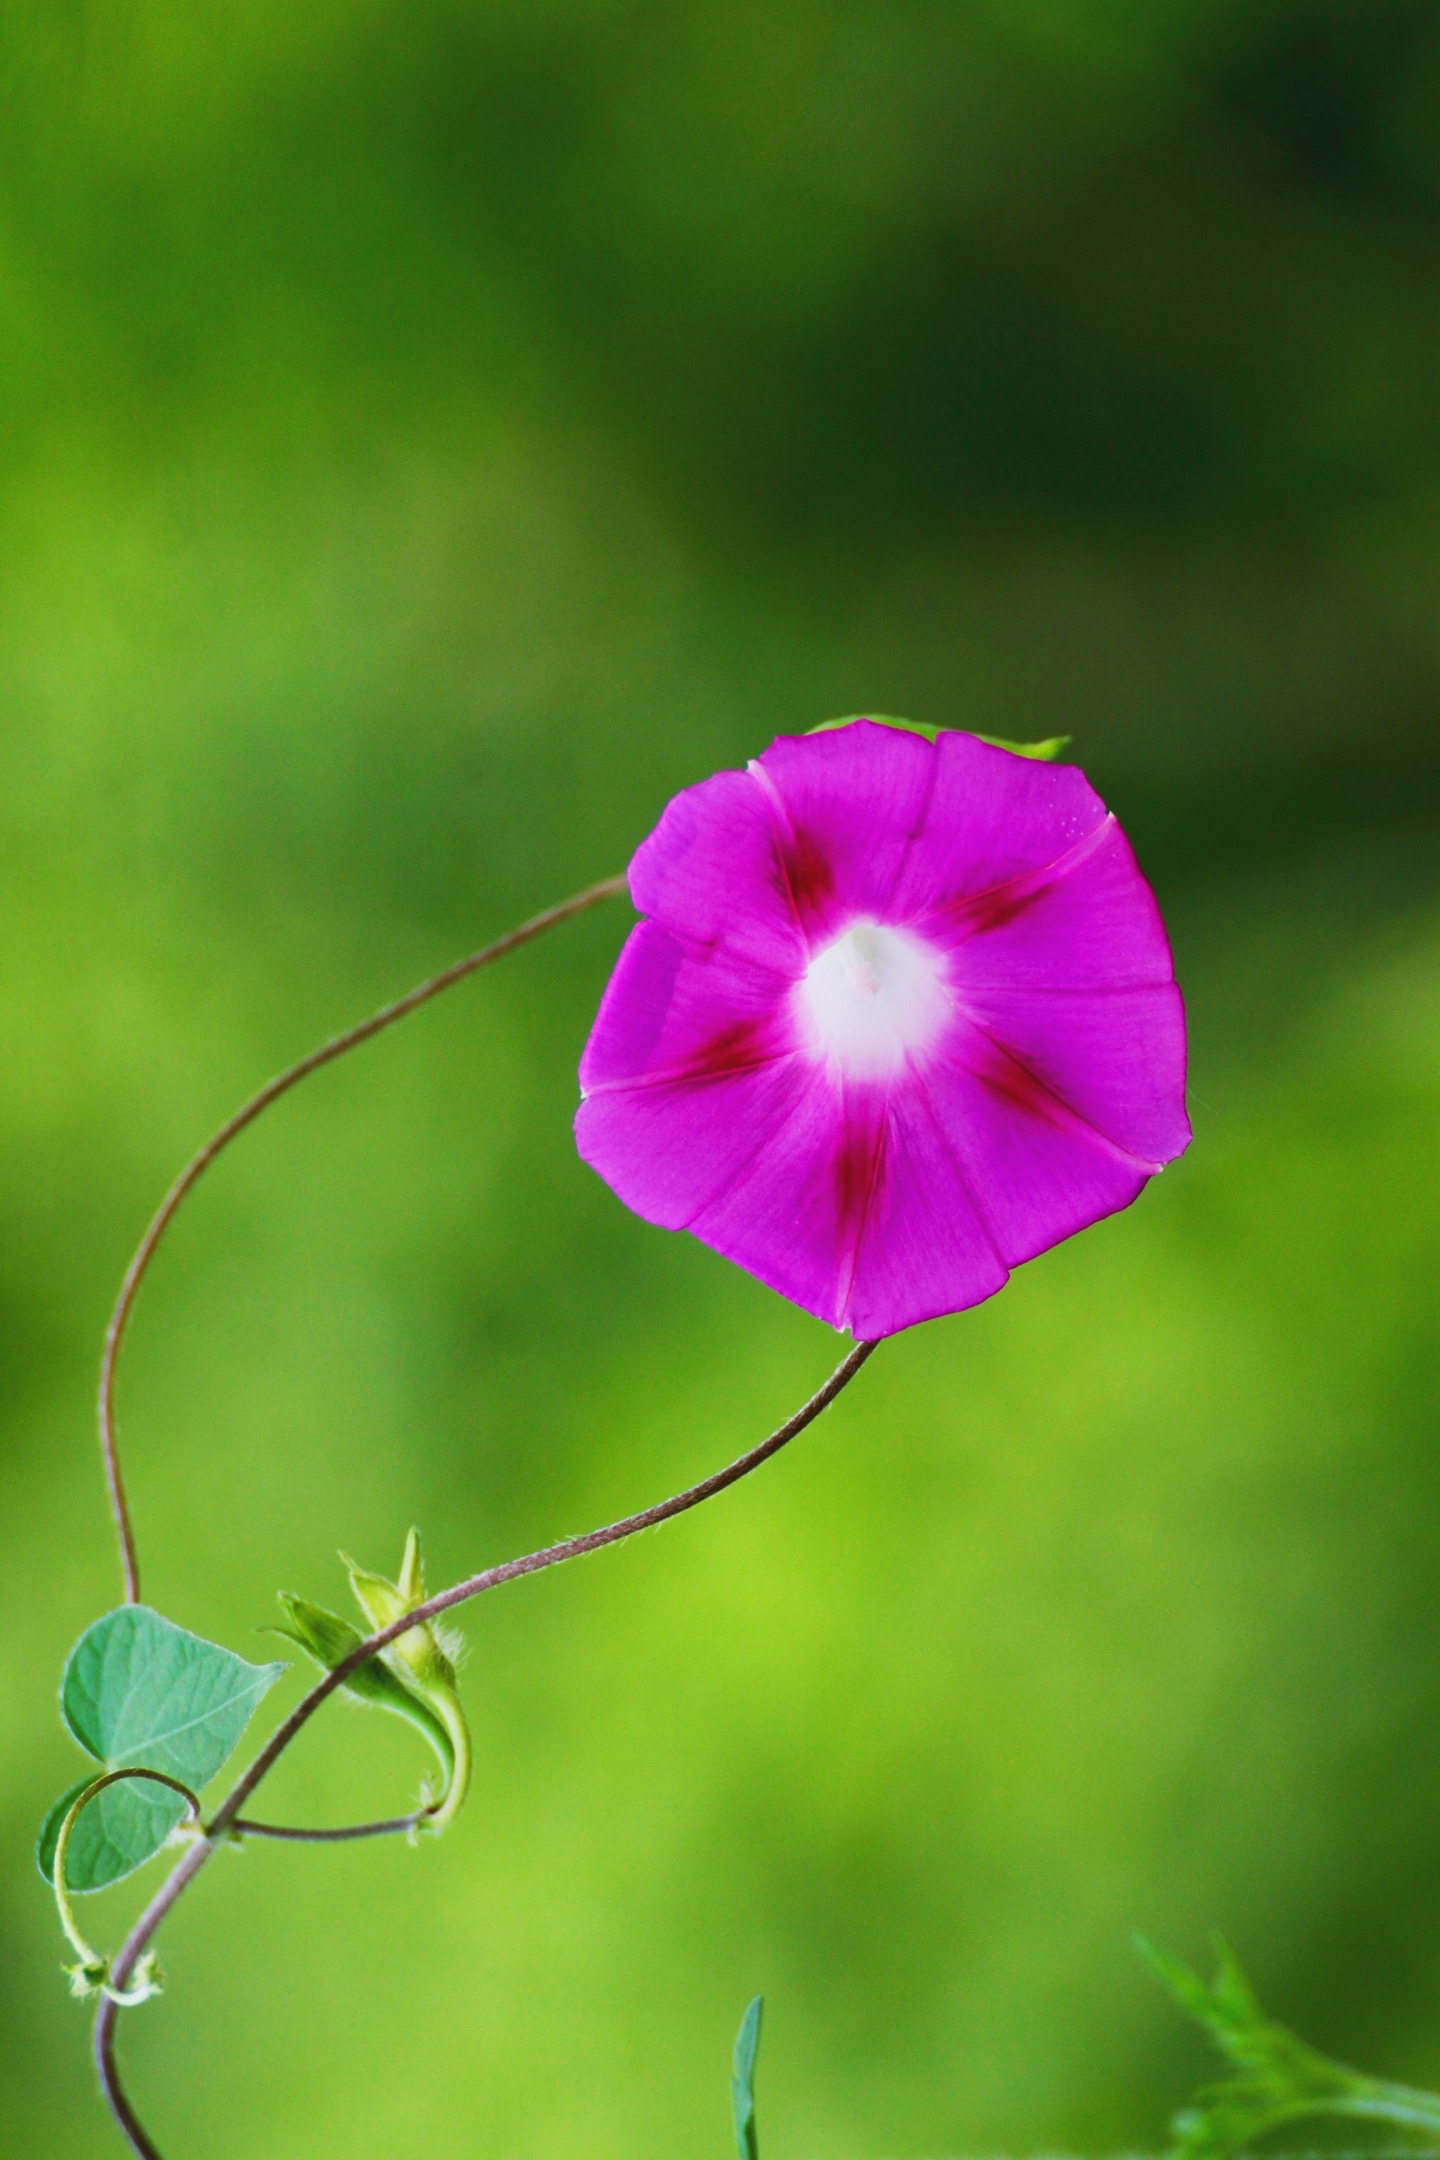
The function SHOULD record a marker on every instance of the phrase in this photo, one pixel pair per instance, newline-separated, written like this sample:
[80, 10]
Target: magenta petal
[1116, 1058]
[848, 803]
[858, 1211]
[991, 817]
[924, 1248]
[1037, 1170]
[1092, 924]
[794, 1213]
[712, 872]
[668, 1149]
[670, 1014]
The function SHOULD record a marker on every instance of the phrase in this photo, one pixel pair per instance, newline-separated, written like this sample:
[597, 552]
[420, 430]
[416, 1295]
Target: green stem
[92, 1973]
[447, 1709]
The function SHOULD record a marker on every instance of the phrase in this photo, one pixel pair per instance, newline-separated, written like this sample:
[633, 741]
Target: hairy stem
[200, 1162]
[298, 1834]
[227, 1816]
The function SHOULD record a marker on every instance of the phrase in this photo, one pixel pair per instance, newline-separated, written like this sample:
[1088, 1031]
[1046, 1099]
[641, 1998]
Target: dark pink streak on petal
[1037, 1170]
[1088, 922]
[707, 874]
[801, 874]
[671, 1013]
[795, 1214]
[806, 878]
[847, 805]
[924, 1247]
[1115, 1057]
[991, 817]
[669, 1148]
[1020, 1090]
[857, 1170]
[973, 914]
[738, 1048]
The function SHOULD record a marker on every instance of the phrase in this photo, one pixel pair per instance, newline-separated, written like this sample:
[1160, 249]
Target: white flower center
[871, 1000]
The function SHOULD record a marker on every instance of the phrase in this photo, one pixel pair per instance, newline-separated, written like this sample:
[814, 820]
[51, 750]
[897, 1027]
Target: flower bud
[433, 1708]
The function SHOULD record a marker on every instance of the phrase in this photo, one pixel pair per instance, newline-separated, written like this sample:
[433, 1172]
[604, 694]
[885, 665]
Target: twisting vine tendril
[92, 1974]
[200, 1162]
[129, 1976]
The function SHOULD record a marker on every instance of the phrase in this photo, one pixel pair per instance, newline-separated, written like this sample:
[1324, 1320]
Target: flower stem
[227, 1816]
[200, 1162]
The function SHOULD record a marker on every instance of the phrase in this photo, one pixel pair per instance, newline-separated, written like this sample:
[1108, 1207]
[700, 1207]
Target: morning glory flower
[899, 1015]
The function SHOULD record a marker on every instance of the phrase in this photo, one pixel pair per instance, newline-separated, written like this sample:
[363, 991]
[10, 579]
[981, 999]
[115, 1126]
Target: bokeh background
[431, 432]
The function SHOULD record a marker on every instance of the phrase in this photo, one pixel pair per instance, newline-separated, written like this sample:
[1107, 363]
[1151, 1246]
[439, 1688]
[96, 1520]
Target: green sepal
[1047, 751]
[414, 1676]
[418, 1654]
[742, 2081]
[328, 1639]
[422, 1660]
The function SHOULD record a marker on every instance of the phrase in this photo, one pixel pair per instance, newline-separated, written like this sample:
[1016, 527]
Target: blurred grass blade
[1276, 2078]
[742, 2082]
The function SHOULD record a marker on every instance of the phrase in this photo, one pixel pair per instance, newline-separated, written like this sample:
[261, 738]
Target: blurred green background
[430, 434]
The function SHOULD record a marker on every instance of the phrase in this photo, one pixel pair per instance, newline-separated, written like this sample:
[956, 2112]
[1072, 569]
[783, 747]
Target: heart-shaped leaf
[141, 1693]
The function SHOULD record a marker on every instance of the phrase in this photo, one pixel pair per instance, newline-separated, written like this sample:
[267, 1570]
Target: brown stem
[227, 1815]
[121, 1968]
[200, 1162]
[393, 1826]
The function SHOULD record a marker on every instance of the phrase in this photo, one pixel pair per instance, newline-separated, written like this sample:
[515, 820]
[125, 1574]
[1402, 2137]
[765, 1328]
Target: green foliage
[141, 1693]
[1275, 2078]
[1049, 750]
[742, 2081]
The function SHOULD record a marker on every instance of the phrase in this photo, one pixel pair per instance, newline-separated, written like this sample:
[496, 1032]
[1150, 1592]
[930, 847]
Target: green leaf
[742, 2082]
[1275, 2078]
[120, 1829]
[881, 719]
[1048, 750]
[139, 1692]
[50, 1830]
